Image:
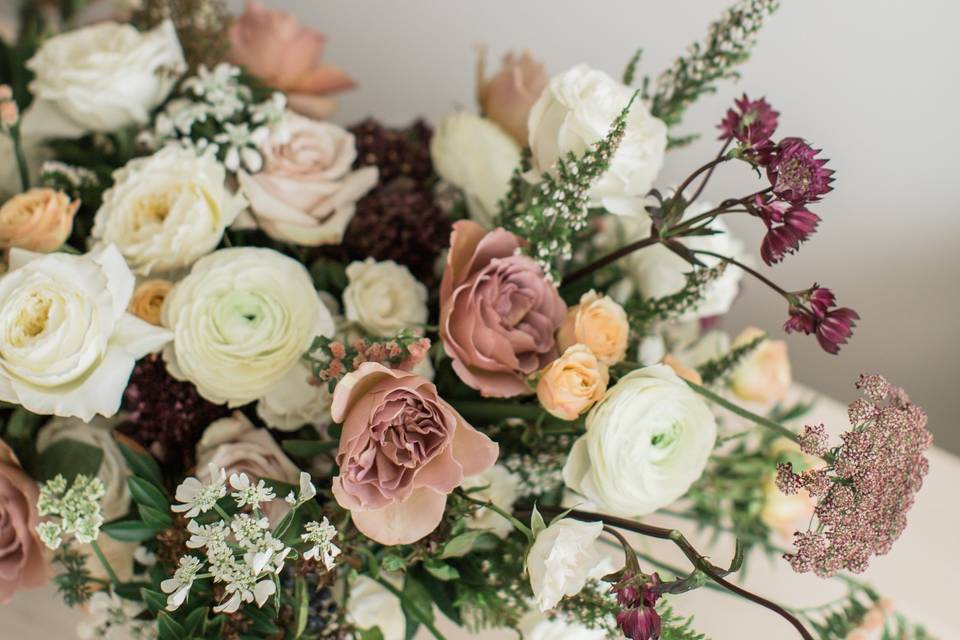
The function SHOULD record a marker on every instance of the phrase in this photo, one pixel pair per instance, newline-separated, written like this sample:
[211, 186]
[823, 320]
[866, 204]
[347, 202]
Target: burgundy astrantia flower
[752, 123]
[864, 493]
[833, 326]
[787, 226]
[795, 172]
[638, 595]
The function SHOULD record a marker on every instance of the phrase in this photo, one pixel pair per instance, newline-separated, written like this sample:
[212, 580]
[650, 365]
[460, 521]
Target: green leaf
[392, 562]
[441, 570]
[308, 448]
[147, 494]
[464, 543]
[371, 634]
[537, 523]
[169, 628]
[22, 425]
[142, 465]
[130, 531]
[154, 517]
[301, 603]
[70, 458]
[194, 622]
[130, 590]
[154, 600]
[443, 595]
[416, 602]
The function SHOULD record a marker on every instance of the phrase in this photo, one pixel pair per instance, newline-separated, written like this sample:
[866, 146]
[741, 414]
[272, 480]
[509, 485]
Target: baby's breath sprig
[548, 213]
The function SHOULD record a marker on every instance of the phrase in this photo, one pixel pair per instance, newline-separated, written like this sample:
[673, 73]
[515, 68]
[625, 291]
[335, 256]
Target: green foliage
[676, 627]
[838, 619]
[644, 312]
[74, 582]
[492, 590]
[142, 465]
[714, 370]
[631, 69]
[69, 458]
[595, 607]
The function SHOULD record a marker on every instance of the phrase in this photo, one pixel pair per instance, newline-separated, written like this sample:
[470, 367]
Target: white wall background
[874, 83]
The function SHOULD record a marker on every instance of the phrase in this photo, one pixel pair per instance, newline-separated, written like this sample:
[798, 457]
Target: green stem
[495, 411]
[106, 563]
[223, 514]
[21, 159]
[422, 617]
[743, 413]
[509, 517]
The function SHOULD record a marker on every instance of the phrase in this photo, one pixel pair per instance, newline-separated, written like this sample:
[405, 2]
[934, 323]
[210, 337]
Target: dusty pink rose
[402, 450]
[498, 313]
[285, 54]
[507, 96]
[23, 562]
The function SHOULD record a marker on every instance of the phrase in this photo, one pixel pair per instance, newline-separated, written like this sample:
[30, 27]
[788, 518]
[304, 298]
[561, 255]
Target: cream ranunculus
[764, 375]
[101, 78]
[599, 323]
[307, 191]
[383, 297]
[647, 441]
[572, 383]
[167, 210]
[67, 343]
[498, 486]
[478, 157]
[293, 402]
[562, 558]
[242, 319]
[576, 110]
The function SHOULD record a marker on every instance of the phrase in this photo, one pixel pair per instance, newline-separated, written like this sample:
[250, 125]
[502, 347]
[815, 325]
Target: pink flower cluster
[337, 358]
[869, 485]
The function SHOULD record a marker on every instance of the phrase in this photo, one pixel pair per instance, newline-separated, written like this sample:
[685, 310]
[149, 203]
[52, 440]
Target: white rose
[647, 441]
[501, 488]
[167, 210]
[535, 626]
[67, 343]
[293, 402]
[576, 110]
[113, 468]
[101, 78]
[242, 319]
[383, 297]
[372, 605]
[562, 558]
[478, 157]
[307, 191]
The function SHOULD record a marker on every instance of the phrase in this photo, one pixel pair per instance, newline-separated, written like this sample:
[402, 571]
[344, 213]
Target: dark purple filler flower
[638, 596]
[796, 174]
[752, 123]
[832, 326]
[869, 485]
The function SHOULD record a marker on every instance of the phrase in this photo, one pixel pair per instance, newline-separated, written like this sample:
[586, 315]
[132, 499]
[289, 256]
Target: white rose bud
[167, 210]
[647, 441]
[101, 78]
[562, 558]
[478, 157]
[383, 297]
[576, 110]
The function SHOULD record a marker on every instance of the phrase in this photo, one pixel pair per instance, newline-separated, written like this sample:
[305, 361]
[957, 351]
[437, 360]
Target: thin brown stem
[753, 272]
[609, 259]
[706, 178]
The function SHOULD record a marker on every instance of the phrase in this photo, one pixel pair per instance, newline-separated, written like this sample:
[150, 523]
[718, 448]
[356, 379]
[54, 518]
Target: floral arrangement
[263, 376]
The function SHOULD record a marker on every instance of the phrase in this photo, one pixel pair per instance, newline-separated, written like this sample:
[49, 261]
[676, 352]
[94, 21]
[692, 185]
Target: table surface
[921, 575]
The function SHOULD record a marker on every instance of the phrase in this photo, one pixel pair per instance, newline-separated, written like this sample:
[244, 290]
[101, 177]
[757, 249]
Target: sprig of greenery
[838, 619]
[674, 626]
[74, 583]
[715, 369]
[643, 312]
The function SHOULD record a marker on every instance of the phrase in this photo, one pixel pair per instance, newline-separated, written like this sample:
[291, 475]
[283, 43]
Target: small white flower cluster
[215, 112]
[112, 617]
[78, 508]
[74, 176]
[241, 551]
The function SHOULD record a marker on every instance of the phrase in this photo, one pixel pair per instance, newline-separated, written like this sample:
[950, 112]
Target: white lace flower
[321, 535]
[247, 493]
[243, 586]
[211, 537]
[178, 587]
[112, 618]
[248, 530]
[198, 497]
[78, 508]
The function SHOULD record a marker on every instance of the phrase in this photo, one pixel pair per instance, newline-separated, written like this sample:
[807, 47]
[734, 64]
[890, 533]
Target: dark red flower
[638, 594]
[832, 326]
[640, 623]
[796, 174]
[836, 328]
[787, 226]
[751, 123]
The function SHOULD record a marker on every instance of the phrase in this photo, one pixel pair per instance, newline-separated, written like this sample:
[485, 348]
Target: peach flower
[147, 300]
[507, 96]
[572, 383]
[498, 312]
[23, 562]
[402, 450]
[599, 323]
[285, 54]
[688, 374]
[37, 220]
[764, 375]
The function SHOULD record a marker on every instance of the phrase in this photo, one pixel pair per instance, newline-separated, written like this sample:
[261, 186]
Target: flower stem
[756, 274]
[706, 178]
[610, 258]
[21, 159]
[743, 413]
[421, 616]
[493, 411]
[106, 563]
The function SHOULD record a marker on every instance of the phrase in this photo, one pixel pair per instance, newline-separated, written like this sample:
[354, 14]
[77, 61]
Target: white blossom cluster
[112, 617]
[216, 112]
[241, 551]
[75, 176]
[77, 507]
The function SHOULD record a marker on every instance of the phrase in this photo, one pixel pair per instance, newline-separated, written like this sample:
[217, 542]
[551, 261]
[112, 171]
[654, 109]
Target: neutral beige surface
[920, 575]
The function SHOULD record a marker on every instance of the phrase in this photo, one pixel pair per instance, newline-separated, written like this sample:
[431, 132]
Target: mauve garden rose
[402, 450]
[285, 54]
[22, 560]
[498, 312]
[507, 96]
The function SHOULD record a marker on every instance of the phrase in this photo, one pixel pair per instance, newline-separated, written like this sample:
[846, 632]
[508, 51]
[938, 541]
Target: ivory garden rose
[384, 298]
[562, 558]
[498, 312]
[37, 220]
[402, 450]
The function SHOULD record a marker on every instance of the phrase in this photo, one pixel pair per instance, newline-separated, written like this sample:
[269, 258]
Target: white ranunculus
[500, 488]
[576, 110]
[371, 605]
[647, 441]
[384, 297]
[113, 468]
[475, 155]
[167, 210]
[101, 78]
[242, 319]
[293, 401]
[67, 343]
[562, 558]
[535, 626]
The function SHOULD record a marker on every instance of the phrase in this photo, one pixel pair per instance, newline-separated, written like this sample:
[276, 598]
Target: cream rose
[647, 441]
[38, 220]
[576, 110]
[67, 343]
[562, 558]
[293, 402]
[372, 605]
[307, 191]
[384, 297]
[599, 323]
[167, 210]
[764, 375]
[498, 486]
[478, 157]
[572, 383]
[241, 320]
[101, 78]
